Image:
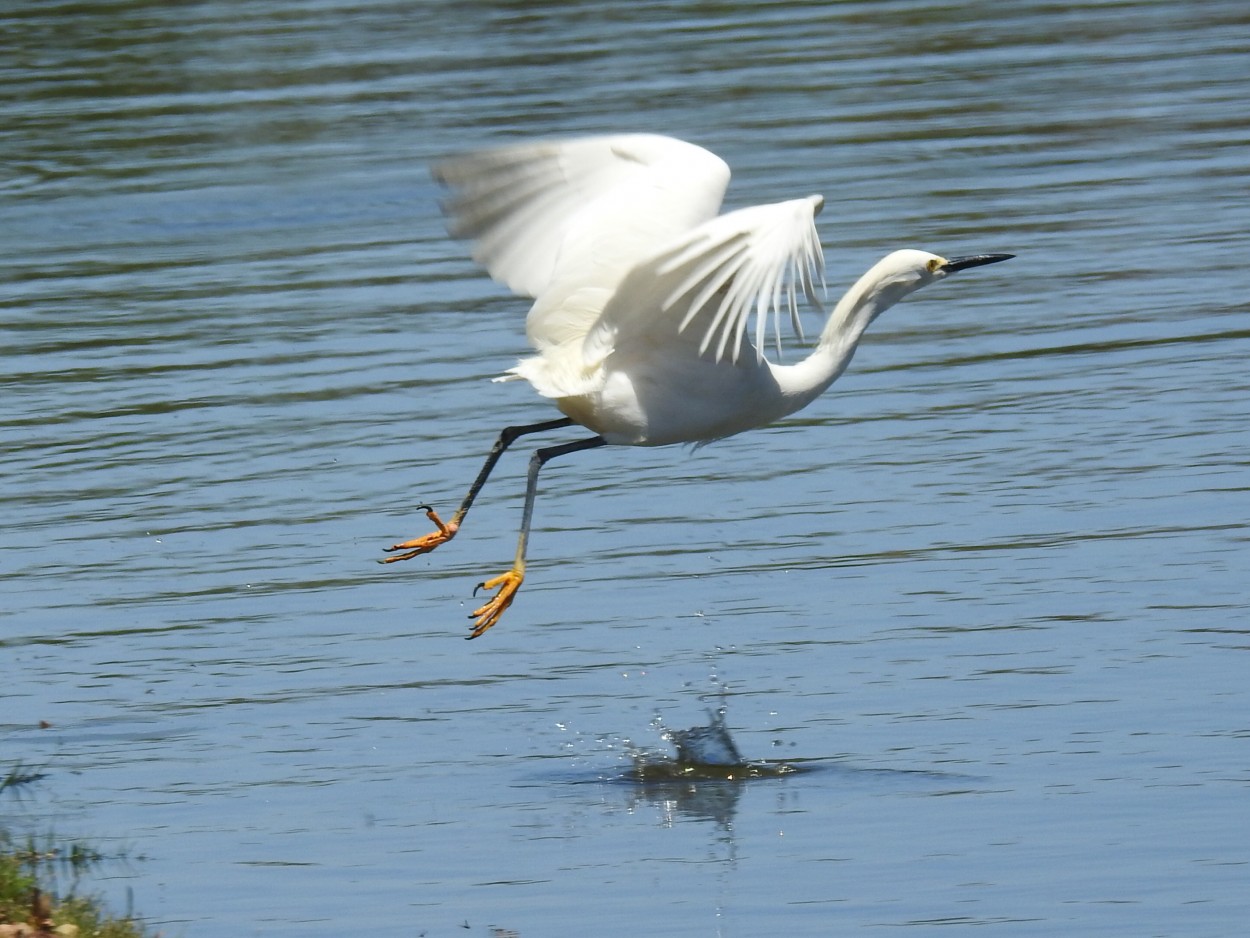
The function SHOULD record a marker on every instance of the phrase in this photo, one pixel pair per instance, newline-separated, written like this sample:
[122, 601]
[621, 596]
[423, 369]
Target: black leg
[510, 581]
[446, 531]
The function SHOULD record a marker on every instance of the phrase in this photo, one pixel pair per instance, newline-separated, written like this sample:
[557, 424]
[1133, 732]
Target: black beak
[973, 260]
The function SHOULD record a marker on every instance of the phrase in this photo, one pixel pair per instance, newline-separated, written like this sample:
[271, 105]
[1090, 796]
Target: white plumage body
[642, 292]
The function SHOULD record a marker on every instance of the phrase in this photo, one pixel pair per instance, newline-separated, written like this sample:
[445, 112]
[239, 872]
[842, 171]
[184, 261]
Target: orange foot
[508, 582]
[426, 542]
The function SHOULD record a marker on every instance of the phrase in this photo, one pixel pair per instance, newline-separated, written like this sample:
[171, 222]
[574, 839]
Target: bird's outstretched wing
[703, 288]
[558, 216]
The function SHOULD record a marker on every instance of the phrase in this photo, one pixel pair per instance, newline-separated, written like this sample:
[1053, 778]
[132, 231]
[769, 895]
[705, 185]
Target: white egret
[642, 298]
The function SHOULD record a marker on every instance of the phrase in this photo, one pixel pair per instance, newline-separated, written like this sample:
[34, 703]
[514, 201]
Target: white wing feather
[564, 221]
[704, 287]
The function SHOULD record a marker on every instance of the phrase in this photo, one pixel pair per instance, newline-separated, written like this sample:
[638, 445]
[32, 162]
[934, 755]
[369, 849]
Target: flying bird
[650, 309]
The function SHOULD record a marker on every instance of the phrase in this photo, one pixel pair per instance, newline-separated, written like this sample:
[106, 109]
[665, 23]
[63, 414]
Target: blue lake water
[990, 592]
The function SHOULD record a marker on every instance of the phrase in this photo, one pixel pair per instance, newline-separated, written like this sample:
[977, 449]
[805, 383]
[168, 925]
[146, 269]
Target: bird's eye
[934, 264]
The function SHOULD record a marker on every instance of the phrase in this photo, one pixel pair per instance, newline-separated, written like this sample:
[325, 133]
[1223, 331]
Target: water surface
[989, 591]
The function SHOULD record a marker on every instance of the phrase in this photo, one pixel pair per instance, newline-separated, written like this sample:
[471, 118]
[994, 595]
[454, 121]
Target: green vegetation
[30, 903]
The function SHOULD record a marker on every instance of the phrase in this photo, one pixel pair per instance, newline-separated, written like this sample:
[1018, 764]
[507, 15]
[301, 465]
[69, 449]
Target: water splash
[703, 752]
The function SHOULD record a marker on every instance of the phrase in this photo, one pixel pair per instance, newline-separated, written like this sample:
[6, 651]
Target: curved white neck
[869, 298]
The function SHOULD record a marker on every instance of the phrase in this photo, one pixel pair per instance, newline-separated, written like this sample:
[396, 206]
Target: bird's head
[916, 269]
[903, 272]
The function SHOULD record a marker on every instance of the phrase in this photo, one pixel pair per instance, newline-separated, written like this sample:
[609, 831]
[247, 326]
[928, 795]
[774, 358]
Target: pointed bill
[973, 260]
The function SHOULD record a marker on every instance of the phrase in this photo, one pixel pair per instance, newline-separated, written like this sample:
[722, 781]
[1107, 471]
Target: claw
[508, 582]
[426, 542]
